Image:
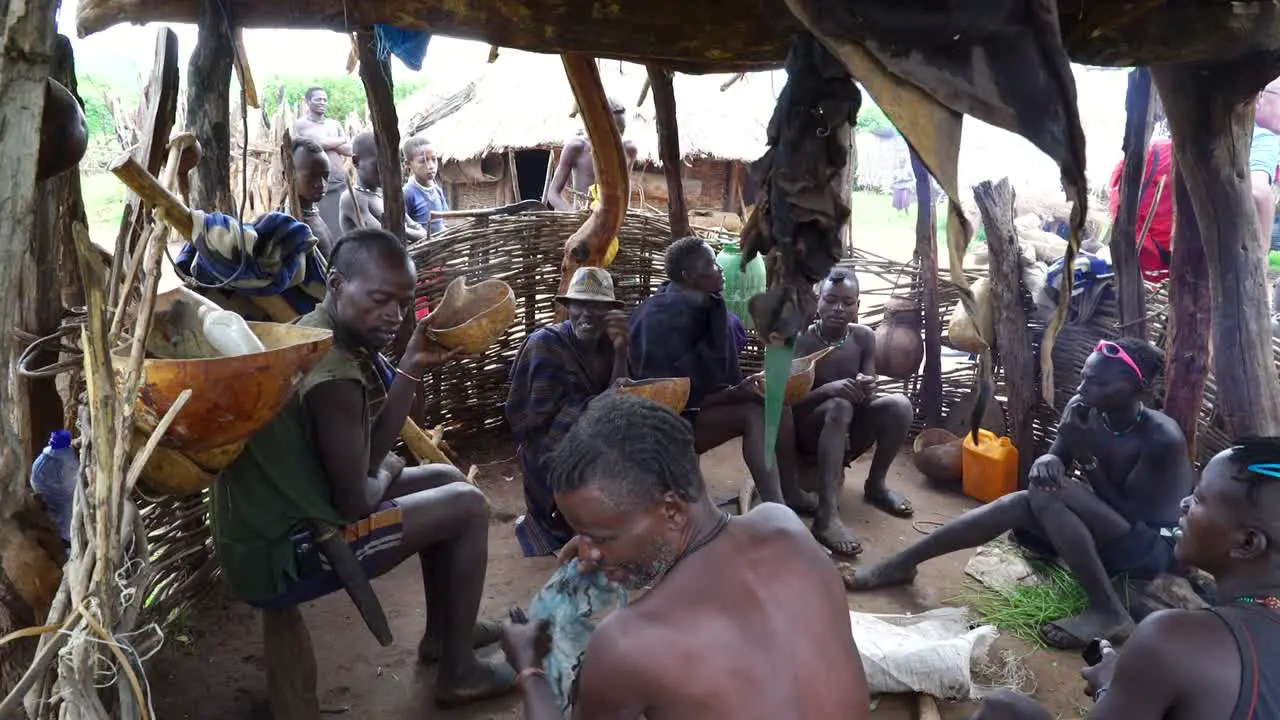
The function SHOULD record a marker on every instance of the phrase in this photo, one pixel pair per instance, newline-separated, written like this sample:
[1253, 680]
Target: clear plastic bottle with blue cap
[54, 475]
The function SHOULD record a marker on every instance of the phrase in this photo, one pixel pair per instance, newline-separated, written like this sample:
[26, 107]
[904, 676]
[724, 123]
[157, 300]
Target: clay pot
[801, 381]
[673, 393]
[899, 345]
[64, 135]
[938, 454]
[473, 317]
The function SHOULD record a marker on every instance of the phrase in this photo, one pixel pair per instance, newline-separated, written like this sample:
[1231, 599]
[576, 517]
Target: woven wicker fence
[525, 251]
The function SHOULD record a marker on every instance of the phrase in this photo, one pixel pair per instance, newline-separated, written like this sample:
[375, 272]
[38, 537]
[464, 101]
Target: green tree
[870, 116]
[346, 93]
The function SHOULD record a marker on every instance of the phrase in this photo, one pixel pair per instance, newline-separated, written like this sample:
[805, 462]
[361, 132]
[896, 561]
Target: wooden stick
[421, 445]
[927, 253]
[243, 73]
[41, 663]
[169, 207]
[125, 663]
[140, 459]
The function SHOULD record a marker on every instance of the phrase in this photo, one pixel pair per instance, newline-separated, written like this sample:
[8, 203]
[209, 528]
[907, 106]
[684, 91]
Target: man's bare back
[753, 625]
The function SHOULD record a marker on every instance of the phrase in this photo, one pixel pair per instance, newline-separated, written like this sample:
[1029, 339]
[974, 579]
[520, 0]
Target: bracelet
[529, 672]
[1097, 695]
[407, 375]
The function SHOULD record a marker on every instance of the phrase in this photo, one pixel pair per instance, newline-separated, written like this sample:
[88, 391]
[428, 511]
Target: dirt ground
[212, 668]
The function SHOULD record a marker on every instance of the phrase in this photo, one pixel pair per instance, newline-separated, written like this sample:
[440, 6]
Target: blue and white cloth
[281, 258]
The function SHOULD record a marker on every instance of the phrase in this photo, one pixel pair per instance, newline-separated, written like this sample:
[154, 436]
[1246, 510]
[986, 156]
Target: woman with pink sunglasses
[1114, 517]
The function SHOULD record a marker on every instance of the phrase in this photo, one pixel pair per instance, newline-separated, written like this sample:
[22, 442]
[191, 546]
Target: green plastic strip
[777, 371]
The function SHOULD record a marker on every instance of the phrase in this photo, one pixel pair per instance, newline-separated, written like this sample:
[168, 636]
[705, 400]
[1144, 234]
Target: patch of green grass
[1021, 611]
[1273, 262]
[103, 204]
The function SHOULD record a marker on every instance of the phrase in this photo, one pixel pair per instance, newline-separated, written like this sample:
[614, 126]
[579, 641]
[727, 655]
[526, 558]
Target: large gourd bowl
[673, 393]
[231, 397]
[473, 317]
[800, 383]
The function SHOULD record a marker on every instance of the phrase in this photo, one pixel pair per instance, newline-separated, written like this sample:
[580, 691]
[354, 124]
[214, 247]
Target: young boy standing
[422, 194]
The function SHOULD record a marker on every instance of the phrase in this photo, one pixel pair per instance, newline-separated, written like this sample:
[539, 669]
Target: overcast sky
[126, 50]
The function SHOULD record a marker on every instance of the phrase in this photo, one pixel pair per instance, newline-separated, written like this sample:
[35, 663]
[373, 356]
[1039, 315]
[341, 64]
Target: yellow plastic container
[990, 468]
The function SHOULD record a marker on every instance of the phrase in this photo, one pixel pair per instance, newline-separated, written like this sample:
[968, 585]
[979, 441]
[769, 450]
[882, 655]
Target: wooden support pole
[209, 110]
[927, 253]
[58, 206]
[27, 54]
[847, 175]
[1013, 342]
[1190, 318]
[1139, 106]
[375, 73]
[1210, 110]
[664, 108]
[161, 106]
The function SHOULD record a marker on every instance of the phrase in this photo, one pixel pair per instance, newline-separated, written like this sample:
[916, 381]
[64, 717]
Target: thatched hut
[499, 133]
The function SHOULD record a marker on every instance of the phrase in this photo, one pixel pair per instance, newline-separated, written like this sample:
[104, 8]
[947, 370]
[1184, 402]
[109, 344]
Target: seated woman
[1117, 520]
[843, 417]
[558, 371]
[685, 330]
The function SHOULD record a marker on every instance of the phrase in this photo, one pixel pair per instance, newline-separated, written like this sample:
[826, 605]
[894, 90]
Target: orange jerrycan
[990, 468]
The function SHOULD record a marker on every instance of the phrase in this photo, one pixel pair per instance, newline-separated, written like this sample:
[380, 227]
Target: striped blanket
[281, 258]
[551, 384]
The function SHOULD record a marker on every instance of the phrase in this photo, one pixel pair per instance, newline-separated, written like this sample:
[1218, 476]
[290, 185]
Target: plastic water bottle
[54, 475]
[227, 332]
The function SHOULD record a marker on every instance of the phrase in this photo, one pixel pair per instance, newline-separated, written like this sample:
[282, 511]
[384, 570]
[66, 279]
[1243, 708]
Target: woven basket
[473, 317]
[672, 393]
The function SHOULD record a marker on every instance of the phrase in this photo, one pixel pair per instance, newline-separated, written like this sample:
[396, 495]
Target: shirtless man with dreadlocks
[626, 477]
[1223, 662]
[1116, 520]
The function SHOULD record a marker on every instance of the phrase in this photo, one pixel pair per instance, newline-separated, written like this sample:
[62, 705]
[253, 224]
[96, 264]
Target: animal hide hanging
[797, 225]
[928, 64]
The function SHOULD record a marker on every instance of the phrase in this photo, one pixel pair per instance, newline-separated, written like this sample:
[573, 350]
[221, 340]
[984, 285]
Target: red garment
[1153, 256]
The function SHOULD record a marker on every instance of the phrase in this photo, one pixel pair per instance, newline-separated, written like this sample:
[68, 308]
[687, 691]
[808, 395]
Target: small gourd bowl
[473, 317]
[673, 393]
[800, 383]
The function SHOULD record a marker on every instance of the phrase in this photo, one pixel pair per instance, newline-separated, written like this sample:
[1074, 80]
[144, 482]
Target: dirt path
[217, 673]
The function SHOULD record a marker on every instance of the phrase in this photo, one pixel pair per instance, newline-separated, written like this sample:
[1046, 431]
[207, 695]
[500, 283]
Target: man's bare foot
[486, 632]
[483, 680]
[805, 504]
[890, 501]
[886, 574]
[1075, 632]
[833, 535]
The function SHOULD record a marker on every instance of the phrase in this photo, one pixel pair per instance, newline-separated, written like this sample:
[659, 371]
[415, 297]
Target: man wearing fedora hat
[558, 371]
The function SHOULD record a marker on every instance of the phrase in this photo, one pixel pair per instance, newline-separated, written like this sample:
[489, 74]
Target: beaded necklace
[1137, 420]
[830, 343]
[1270, 602]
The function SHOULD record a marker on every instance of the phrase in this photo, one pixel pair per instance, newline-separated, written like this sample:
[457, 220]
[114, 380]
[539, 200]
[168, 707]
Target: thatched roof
[724, 35]
[523, 100]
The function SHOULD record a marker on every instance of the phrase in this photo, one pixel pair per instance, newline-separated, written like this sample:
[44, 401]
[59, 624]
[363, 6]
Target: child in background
[421, 193]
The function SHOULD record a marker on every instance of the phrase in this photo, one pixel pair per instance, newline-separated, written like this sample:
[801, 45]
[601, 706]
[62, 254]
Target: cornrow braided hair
[634, 449]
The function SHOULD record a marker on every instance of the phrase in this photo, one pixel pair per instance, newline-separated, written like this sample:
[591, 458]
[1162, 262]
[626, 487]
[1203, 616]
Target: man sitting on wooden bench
[1117, 521]
[326, 458]
[685, 330]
